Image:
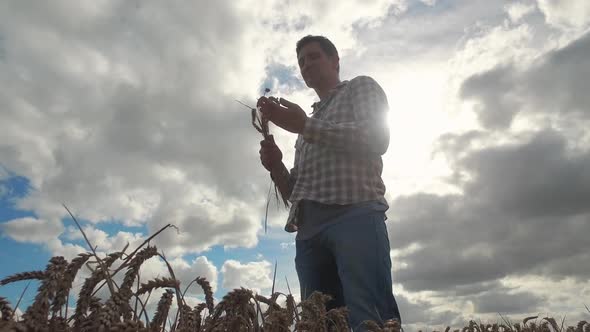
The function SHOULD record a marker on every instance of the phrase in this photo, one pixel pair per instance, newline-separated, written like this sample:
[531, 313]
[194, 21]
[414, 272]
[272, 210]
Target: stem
[100, 262]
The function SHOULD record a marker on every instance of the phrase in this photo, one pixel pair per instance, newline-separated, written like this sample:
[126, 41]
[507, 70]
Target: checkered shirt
[338, 155]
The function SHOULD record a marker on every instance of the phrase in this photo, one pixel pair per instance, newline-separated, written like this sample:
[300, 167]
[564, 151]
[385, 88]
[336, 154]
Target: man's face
[315, 65]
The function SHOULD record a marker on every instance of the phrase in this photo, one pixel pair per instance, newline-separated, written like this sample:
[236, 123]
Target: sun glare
[418, 116]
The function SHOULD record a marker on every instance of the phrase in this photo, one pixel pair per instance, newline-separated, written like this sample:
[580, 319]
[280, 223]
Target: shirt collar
[319, 103]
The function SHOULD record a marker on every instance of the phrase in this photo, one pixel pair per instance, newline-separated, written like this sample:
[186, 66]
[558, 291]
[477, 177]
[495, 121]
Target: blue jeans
[350, 261]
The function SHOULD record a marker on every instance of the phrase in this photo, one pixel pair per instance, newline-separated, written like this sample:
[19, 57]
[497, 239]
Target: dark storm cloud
[539, 178]
[502, 302]
[524, 209]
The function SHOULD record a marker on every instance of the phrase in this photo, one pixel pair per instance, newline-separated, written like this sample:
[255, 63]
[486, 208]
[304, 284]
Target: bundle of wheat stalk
[261, 126]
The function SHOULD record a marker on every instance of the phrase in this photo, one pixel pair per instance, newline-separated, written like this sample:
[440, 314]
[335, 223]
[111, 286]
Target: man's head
[318, 61]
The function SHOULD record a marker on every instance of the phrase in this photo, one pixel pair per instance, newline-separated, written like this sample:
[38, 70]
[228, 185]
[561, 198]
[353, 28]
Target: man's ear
[336, 62]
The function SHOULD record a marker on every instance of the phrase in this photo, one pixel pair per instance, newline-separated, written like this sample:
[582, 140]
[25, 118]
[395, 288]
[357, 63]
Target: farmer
[335, 186]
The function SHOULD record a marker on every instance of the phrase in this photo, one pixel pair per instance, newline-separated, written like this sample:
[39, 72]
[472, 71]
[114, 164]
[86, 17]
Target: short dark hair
[324, 42]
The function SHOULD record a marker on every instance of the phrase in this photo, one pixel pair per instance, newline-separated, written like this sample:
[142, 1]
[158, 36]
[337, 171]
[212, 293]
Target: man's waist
[336, 206]
[331, 196]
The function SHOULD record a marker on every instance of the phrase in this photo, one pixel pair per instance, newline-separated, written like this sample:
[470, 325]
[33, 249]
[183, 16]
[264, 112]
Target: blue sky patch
[280, 77]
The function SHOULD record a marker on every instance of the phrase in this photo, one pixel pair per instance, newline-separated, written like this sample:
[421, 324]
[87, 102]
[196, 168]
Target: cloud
[566, 14]
[253, 275]
[518, 10]
[282, 78]
[517, 197]
[287, 245]
[417, 314]
[143, 113]
[68, 251]
[103, 241]
[32, 230]
[199, 267]
[442, 26]
[536, 178]
[142, 127]
[503, 302]
[126, 113]
[4, 174]
[4, 191]
[553, 84]
[203, 221]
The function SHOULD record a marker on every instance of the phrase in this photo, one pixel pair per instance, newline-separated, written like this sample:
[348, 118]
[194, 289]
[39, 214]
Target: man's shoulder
[363, 81]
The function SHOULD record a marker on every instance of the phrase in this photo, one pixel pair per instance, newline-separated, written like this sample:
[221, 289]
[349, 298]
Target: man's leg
[317, 271]
[361, 249]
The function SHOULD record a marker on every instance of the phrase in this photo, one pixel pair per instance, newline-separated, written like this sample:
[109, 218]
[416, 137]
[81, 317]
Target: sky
[125, 112]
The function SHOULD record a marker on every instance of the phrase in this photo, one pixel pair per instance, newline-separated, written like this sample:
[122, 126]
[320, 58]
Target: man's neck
[324, 90]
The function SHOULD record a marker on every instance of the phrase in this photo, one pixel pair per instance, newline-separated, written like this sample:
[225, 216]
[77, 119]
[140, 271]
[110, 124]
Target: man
[335, 186]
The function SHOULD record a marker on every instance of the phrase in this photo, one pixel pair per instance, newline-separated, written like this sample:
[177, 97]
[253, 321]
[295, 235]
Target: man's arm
[368, 134]
[272, 159]
[282, 179]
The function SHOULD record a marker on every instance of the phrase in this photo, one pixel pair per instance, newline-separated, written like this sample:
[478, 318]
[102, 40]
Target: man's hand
[284, 114]
[270, 154]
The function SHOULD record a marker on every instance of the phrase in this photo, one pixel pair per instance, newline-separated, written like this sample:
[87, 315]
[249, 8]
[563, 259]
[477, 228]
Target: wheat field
[239, 310]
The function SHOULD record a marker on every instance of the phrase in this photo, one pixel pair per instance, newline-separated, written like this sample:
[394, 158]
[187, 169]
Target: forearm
[368, 136]
[280, 176]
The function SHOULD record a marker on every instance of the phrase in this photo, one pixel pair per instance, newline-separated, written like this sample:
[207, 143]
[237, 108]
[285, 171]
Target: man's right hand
[270, 154]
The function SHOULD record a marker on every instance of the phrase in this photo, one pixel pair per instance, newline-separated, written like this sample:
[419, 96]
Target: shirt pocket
[339, 112]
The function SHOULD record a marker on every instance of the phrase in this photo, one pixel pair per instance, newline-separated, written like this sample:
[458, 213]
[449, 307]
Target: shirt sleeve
[368, 133]
[293, 172]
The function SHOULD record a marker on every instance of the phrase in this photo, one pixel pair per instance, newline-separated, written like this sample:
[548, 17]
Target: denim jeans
[350, 261]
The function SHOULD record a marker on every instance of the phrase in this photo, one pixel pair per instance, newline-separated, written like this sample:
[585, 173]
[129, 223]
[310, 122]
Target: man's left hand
[284, 114]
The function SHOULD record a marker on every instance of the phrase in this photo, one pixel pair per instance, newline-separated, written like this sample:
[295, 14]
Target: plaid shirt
[338, 155]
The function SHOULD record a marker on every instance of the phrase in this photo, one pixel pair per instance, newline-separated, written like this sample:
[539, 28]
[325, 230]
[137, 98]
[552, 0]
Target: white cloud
[32, 230]
[204, 218]
[327, 17]
[253, 275]
[102, 241]
[429, 2]
[572, 14]
[490, 46]
[287, 245]
[152, 268]
[517, 10]
[18, 313]
[67, 250]
[199, 267]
